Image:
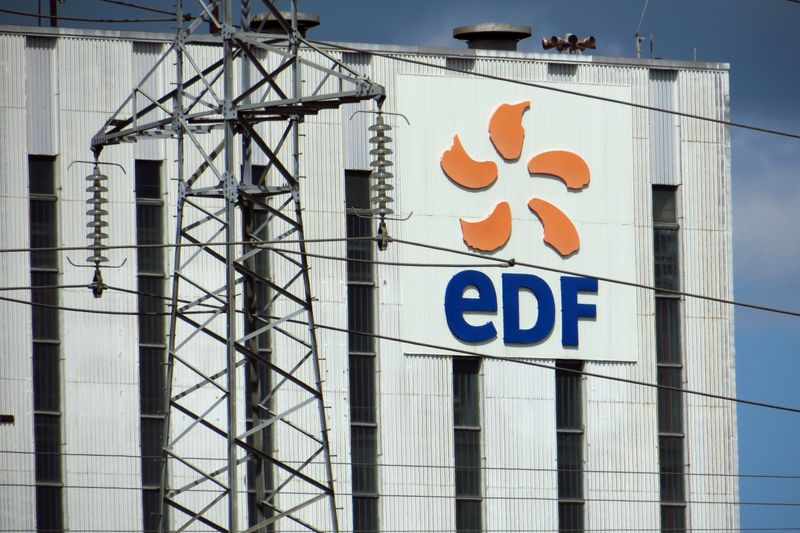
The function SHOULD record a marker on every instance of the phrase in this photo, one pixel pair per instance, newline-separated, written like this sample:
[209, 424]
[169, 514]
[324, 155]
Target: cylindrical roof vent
[493, 35]
[265, 22]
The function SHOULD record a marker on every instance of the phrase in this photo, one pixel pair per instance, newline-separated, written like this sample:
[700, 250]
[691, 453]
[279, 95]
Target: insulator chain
[380, 174]
[97, 202]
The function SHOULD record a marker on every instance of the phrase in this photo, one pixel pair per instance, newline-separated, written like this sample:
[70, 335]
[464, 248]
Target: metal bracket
[96, 163]
[380, 113]
[97, 266]
[230, 189]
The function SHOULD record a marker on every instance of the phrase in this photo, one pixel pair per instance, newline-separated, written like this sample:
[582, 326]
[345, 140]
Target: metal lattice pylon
[245, 414]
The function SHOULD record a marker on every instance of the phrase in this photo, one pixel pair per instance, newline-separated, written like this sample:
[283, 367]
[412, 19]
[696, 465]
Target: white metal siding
[415, 397]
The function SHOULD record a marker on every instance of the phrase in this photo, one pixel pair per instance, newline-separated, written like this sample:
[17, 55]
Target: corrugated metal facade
[56, 92]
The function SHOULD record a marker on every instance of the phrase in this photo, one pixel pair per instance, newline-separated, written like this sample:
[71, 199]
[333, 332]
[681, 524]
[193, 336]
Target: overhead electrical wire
[513, 262]
[489, 262]
[445, 349]
[139, 6]
[25, 249]
[386, 55]
[738, 503]
[80, 19]
[778, 477]
[529, 362]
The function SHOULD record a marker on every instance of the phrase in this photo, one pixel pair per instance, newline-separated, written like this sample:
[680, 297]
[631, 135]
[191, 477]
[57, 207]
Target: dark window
[365, 448]
[47, 436]
[671, 468]
[43, 231]
[360, 316]
[673, 518]
[258, 386]
[152, 323]
[666, 258]
[151, 380]
[49, 509]
[152, 333]
[467, 443]
[149, 231]
[362, 389]
[41, 175]
[570, 517]
[664, 205]
[45, 316]
[669, 361]
[468, 516]
[466, 393]
[152, 435]
[668, 330]
[148, 179]
[468, 462]
[569, 437]
[46, 379]
[670, 402]
[361, 321]
[46, 360]
[365, 514]
[151, 502]
[359, 227]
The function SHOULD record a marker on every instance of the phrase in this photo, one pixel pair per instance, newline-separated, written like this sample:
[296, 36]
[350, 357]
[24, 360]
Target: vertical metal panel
[94, 77]
[145, 56]
[712, 441]
[42, 102]
[562, 71]
[17, 468]
[12, 71]
[663, 128]
[519, 447]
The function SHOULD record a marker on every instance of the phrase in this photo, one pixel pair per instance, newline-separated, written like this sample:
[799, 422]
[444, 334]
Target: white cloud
[766, 203]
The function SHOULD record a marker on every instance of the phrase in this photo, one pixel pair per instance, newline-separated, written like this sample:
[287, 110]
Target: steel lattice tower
[242, 337]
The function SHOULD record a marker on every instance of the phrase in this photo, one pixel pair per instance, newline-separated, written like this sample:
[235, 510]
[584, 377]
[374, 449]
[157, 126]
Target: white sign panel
[505, 171]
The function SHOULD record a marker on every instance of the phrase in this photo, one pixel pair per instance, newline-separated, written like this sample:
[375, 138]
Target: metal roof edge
[667, 64]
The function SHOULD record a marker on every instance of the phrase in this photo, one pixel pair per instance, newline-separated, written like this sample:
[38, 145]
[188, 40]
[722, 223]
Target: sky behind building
[759, 39]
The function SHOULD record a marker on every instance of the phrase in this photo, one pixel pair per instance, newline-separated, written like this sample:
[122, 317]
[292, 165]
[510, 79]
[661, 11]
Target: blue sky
[759, 38]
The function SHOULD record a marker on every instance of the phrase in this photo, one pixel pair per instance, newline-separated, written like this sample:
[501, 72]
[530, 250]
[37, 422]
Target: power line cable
[181, 245]
[780, 477]
[446, 349]
[528, 362]
[80, 19]
[738, 503]
[143, 8]
[338, 46]
[501, 262]
[512, 262]
[507, 263]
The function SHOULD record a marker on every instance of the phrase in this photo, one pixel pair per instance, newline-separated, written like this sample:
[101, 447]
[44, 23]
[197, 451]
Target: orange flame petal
[506, 131]
[464, 170]
[559, 231]
[490, 233]
[567, 166]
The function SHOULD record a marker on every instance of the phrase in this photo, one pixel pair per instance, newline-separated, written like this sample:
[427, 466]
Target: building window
[46, 344]
[467, 441]
[152, 334]
[669, 360]
[361, 349]
[569, 445]
[258, 386]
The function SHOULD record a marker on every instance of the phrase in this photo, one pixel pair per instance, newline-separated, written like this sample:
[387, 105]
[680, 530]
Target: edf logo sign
[456, 305]
[497, 171]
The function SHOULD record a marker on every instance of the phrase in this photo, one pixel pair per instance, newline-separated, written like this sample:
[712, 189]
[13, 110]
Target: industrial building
[516, 207]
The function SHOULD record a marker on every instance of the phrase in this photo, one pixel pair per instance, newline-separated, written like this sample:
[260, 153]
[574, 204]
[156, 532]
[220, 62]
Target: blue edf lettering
[456, 305]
